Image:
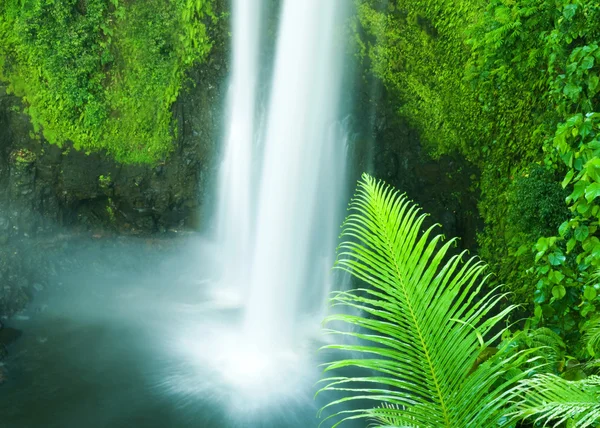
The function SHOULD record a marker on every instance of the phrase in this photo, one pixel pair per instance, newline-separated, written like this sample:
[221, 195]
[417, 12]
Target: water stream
[128, 341]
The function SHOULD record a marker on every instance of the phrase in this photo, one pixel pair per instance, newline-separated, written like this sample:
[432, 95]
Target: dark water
[101, 347]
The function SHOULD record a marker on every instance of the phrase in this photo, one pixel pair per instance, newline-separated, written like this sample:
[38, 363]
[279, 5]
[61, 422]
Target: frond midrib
[415, 321]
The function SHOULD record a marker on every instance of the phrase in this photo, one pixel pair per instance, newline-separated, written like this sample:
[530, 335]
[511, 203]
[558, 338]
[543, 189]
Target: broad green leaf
[587, 63]
[569, 11]
[581, 232]
[542, 245]
[592, 191]
[571, 244]
[572, 91]
[593, 169]
[568, 178]
[556, 258]
[559, 291]
[589, 293]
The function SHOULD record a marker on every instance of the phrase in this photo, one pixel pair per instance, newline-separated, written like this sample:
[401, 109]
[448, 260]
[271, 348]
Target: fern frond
[591, 337]
[420, 358]
[552, 400]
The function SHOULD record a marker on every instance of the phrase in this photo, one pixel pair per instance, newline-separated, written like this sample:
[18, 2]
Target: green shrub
[103, 74]
[536, 203]
[422, 332]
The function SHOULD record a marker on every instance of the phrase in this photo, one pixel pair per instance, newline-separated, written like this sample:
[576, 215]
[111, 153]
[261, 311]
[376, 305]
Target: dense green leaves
[420, 332]
[552, 400]
[419, 326]
[103, 74]
[519, 82]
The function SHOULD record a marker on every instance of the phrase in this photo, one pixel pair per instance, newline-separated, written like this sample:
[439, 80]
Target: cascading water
[281, 196]
[142, 344]
[235, 200]
[280, 236]
[293, 212]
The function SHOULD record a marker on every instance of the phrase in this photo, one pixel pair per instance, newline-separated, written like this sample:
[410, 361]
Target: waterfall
[234, 211]
[281, 231]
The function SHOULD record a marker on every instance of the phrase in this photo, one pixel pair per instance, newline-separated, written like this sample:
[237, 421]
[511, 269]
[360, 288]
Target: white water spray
[280, 235]
[235, 197]
[299, 150]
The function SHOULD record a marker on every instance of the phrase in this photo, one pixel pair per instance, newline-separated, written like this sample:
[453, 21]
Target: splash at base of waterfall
[217, 360]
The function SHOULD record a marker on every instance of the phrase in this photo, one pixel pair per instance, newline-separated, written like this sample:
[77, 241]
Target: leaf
[559, 291]
[549, 400]
[571, 244]
[569, 11]
[556, 258]
[592, 191]
[593, 81]
[578, 191]
[568, 178]
[589, 293]
[542, 245]
[572, 91]
[581, 233]
[586, 128]
[593, 169]
[407, 341]
[587, 63]
[556, 277]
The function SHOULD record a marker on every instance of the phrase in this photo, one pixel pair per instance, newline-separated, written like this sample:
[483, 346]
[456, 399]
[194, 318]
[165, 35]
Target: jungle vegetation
[427, 333]
[103, 74]
[513, 86]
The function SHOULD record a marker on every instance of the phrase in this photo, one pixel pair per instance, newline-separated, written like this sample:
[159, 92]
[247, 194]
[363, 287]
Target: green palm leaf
[591, 337]
[552, 400]
[423, 322]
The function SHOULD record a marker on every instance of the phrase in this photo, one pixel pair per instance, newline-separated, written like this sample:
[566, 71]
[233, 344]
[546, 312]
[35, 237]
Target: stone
[9, 335]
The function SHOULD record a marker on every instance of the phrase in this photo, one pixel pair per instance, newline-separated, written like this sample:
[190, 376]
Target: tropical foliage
[421, 328]
[513, 85]
[103, 74]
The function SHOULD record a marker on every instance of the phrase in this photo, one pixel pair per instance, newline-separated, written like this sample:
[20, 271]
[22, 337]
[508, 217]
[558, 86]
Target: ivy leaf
[542, 245]
[539, 296]
[593, 81]
[563, 228]
[556, 276]
[559, 291]
[572, 91]
[596, 251]
[569, 11]
[578, 191]
[586, 128]
[587, 63]
[592, 191]
[581, 233]
[571, 244]
[589, 293]
[593, 169]
[568, 178]
[587, 309]
[556, 258]
[583, 208]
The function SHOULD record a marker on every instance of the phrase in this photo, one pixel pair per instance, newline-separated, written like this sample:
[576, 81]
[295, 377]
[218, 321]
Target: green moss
[103, 74]
[23, 156]
[104, 181]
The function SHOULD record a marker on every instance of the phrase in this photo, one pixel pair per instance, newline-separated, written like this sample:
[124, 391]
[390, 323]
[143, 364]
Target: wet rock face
[45, 189]
[43, 186]
[390, 149]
